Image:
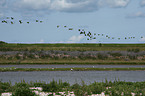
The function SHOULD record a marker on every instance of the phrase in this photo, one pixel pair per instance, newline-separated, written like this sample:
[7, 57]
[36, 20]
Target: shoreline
[72, 62]
[13, 69]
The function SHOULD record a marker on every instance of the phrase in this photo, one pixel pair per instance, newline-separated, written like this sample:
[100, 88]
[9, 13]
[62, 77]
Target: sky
[121, 20]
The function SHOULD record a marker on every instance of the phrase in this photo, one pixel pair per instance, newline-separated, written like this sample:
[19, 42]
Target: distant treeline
[71, 45]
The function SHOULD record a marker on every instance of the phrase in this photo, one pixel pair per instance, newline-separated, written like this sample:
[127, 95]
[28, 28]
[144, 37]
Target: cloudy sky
[121, 20]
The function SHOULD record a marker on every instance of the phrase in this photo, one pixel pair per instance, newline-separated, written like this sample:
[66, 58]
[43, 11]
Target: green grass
[111, 88]
[73, 61]
[70, 69]
[72, 47]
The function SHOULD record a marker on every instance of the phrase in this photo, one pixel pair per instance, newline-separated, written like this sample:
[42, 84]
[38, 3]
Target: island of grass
[128, 54]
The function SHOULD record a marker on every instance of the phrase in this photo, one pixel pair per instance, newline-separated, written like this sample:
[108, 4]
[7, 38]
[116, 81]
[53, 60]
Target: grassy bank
[71, 47]
[73, 61]
[70, 69]
[115, 88]
[127, 54]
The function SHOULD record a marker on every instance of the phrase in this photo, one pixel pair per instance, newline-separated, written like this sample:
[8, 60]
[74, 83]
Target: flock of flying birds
[10, 20]
[88, 34]
[91, 36]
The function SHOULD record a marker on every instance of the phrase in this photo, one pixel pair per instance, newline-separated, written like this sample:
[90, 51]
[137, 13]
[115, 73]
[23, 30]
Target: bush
[100, 44]
[5, 87]
[116, 54]
[77, 89]
[102, 57]
[37, 84]
[136, 50]
[133, 50]
[22, 89]
[97, 88]
[2, 42]
[132, 57]
[51, 87]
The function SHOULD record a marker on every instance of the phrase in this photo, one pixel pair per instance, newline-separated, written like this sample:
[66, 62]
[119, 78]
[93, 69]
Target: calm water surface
[73, 76]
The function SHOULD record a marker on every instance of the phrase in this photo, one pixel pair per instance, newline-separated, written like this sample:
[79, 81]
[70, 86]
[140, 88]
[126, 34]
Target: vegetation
[111, 88]
[70, 69]
[22, 89]
[71, 47]
[2, 42]
[72, 53]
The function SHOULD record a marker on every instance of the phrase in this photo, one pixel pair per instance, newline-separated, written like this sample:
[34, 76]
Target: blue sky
[114, 18]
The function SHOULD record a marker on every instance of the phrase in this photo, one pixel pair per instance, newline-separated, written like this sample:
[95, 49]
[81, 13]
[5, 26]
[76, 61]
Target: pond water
[72, 66]
[73, 76]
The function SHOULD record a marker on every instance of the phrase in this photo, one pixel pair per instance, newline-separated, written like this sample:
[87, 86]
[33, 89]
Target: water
[72, 76]
[72, 66]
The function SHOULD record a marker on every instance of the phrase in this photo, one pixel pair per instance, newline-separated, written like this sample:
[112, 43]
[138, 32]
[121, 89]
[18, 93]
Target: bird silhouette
[70, 29]
[20, 21]
[12, 22]
[91, 36]
[94, 38]
[4, 21]
[8, 17]
[57, 26]
[12, 18]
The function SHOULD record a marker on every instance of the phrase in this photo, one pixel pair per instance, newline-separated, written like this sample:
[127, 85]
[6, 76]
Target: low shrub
[22, 89]
[5, 87]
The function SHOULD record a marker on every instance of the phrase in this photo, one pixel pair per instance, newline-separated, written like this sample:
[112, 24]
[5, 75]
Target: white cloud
[56, 5]
[67, 5]
[77, 6]
[142, 3]
[75, 39]
[114, 3]
[3, 7]
[72, 39]
[32, 4]
[136, 15]
[39, 7]
[41, 41]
